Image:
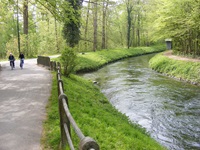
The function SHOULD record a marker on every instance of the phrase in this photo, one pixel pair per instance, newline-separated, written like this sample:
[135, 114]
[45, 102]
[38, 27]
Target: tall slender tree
[71, 27]
[104, 10]
[25, 18]
[86, 26]
[95, 25]
[18, 34]
[129, 8]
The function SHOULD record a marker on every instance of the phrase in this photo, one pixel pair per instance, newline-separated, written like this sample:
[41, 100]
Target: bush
[68, 60]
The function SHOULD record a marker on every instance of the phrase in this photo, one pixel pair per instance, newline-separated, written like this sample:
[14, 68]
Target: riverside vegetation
[93, 113]
[183, 70]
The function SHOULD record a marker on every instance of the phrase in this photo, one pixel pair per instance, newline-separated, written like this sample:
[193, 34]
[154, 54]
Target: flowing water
[167, 108]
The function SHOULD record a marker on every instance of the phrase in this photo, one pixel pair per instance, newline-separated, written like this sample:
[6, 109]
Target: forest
[45, 27]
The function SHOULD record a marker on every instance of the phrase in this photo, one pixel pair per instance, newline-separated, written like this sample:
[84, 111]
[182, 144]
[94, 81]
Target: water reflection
[168, 109]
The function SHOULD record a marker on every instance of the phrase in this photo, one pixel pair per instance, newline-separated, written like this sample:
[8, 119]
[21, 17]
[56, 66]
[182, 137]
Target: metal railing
[66, 119]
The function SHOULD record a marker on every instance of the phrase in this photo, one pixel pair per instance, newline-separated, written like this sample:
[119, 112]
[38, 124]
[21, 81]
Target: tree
[178, 20]
[25, 16]
[18, 35]
[8, 28]
[129, 8]
[104, 10]
[25, 19]
[71, 27]
[86, 26]
[95, 26]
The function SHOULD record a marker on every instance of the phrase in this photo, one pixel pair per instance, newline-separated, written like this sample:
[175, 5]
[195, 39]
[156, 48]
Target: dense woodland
[39, 27]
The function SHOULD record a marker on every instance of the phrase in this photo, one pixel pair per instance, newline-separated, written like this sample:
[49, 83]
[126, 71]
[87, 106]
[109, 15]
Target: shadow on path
[23, 98]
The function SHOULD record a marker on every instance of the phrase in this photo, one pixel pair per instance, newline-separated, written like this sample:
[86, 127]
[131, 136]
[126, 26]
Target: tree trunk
[95, 26]
[139, 19]
[56, 35]
[86, 26]
[129, 20]
[18, 35]
[138, 30]
[25, 18]
[105, 6]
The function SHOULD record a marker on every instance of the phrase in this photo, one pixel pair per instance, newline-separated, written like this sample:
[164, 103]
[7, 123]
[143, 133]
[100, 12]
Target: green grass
[91, 61]
[184, 70]
[93, 113]
[96, 117]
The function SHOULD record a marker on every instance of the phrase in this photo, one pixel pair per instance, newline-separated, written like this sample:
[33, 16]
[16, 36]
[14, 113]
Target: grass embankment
[93, 113]
[93, 61]
[183, 70]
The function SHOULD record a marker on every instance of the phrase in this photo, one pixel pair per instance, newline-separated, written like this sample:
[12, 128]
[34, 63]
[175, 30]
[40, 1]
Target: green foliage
[47, 18]
[177, 19]
[184, 70]
[7, 28]
[12, 47]
[116, 24]
[71, 33]
[36, 45]
[68, 60]
[71, 29]
[44, 36]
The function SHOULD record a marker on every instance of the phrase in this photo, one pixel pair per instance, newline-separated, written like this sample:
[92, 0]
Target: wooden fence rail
[66, 119]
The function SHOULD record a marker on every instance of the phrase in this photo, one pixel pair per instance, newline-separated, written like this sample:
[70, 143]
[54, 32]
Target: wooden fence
[42, 60]
[66, 119]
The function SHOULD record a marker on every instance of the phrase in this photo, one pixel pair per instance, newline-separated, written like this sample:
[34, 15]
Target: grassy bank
[94, 60]
[183, 70]
[93, 113]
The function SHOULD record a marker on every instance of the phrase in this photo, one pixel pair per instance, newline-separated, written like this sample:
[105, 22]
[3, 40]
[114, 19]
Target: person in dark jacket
[11, 58]
[21, 57]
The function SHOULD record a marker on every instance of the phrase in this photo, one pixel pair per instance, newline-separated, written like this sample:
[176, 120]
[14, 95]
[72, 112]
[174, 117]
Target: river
[167, 108]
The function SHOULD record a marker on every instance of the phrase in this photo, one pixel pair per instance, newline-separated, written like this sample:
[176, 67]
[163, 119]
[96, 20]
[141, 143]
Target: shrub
[68, 60]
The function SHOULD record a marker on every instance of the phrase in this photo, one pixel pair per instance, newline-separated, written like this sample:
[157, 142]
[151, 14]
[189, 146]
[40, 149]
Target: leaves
[177, 19]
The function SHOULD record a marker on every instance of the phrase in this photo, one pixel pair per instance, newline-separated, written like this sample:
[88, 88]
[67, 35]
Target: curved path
[176, 57]
[23, 98]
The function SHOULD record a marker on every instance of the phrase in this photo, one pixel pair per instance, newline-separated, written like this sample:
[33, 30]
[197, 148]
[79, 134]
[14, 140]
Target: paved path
[170, 55]
[23, 97]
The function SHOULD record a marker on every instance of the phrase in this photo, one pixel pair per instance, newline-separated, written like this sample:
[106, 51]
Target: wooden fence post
[59, 65]
[88, 143]
[54, 66]
[51, 65]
